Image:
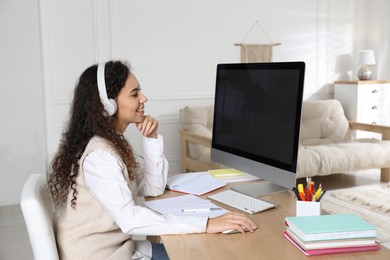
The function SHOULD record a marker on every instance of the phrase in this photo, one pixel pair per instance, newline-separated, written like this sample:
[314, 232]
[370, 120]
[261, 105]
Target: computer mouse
[233, 231]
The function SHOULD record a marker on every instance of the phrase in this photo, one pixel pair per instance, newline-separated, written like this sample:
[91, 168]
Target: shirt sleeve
[107, 184]
[154, 171]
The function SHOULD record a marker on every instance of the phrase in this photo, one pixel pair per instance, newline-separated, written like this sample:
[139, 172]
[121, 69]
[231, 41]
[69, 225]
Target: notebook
[194, 183]
[326, 227]
[330, 250]
[176, 205]
[338, 243]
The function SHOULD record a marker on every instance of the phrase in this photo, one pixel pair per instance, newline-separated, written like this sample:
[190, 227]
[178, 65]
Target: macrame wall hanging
[256, 52]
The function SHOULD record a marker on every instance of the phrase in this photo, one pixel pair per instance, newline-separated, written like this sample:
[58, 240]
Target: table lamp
[344, 64]
[365, 58]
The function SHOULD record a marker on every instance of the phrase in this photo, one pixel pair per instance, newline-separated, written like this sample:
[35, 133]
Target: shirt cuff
[154, 147]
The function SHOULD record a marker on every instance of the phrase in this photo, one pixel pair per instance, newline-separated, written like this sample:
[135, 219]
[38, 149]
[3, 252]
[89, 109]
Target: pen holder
[308, 208]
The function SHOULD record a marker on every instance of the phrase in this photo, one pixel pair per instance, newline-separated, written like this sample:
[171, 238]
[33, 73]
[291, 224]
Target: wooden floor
[14, 243]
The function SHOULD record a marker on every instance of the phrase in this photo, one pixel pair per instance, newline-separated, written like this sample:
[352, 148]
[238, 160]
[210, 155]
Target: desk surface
[267, 242]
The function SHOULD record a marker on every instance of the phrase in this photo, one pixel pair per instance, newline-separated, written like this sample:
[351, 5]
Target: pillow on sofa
[323, 122]
[200, 121]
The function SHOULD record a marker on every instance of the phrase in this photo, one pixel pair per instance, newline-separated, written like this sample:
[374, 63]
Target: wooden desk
[267, 242]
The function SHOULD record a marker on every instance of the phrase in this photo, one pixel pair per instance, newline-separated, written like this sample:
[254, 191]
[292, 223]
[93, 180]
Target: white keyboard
[241, 201]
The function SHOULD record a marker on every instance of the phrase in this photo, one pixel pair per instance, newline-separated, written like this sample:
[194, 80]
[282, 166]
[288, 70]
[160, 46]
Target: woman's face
[131, 104]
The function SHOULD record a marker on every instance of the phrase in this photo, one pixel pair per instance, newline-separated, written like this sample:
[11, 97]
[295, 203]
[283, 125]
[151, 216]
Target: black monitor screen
[257, 111]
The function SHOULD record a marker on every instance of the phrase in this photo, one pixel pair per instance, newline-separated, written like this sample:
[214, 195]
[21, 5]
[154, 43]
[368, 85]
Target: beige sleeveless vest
[87, 231]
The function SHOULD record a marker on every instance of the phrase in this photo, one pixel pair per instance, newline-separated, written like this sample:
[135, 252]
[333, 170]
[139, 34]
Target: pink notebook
[331, 250]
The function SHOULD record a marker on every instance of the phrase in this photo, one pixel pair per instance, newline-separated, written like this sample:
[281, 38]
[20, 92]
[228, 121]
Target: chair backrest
[37, 210]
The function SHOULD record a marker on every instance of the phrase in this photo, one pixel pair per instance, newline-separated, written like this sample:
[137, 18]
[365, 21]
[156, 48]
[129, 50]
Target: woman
[95, 177]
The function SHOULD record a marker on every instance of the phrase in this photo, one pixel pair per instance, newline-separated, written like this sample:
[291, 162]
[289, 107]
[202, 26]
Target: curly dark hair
[88, 119]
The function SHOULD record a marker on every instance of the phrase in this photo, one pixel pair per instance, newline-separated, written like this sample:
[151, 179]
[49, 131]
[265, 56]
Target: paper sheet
[175, 206]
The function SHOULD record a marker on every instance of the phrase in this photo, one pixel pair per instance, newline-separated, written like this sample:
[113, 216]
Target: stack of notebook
[328, 234]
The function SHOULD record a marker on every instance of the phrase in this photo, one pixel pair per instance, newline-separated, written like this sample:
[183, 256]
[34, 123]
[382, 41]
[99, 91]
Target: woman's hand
[228, 221]
[148, 127]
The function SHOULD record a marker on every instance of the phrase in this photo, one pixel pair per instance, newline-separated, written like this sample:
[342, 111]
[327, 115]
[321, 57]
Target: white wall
[378, 28]
[174, 47]
[22, 132]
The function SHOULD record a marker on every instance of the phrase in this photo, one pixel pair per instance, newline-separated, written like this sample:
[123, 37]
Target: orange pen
[302, 196]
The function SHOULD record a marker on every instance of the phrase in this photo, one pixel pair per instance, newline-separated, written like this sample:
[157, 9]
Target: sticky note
[219, 173]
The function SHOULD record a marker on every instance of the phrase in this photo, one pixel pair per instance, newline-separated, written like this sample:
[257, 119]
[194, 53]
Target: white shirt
[107, 184]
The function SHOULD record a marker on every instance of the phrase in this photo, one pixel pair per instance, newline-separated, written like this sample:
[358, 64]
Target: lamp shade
[366, 57]
[344, 63]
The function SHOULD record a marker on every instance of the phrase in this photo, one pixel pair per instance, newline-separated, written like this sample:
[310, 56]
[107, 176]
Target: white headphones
[109, 104]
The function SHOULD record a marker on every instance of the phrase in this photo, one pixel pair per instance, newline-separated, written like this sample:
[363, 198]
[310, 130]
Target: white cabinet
[365, 102]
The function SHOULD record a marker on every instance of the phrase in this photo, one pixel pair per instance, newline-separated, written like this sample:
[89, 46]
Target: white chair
[37, 210]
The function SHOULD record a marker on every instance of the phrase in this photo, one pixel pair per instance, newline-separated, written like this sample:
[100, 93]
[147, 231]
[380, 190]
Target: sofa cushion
[340, 157]
[198, 120]
[323, 122]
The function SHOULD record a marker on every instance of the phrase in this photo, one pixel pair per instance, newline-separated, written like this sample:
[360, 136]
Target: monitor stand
[259, 188]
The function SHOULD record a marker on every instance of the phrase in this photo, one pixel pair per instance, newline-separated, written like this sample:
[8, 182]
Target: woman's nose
[143, 98]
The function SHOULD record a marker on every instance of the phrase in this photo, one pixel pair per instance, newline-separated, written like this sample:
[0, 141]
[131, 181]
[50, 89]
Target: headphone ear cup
[111, 107]
[109, 104]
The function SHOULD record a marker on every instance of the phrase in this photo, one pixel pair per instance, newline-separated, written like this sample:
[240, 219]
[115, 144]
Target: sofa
[327, 144]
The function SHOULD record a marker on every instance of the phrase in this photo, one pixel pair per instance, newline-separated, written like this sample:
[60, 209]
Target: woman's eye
[135, 93]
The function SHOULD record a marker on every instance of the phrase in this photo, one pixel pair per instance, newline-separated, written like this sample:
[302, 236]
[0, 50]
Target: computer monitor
[257, 117]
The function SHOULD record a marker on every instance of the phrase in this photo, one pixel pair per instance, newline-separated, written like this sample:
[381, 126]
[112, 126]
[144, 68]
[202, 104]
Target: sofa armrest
[381, 129]
[189, 164]
[192, 137]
